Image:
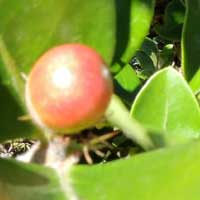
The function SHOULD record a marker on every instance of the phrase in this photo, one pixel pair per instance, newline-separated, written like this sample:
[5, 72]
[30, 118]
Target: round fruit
[68, 89]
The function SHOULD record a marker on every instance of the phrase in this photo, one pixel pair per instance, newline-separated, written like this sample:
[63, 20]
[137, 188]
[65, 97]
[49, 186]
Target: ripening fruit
[68, 89]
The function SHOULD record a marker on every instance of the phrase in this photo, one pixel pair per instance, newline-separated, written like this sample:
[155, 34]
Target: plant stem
[11, 76]
[118, 115]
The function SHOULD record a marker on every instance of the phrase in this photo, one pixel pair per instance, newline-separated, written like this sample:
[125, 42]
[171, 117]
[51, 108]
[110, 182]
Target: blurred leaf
[167, 107]
[177, 168]
[190, 40]
[12, 100]
[9, 74]
[29, 29]
[134, 20]
[173, 21]
[20, 181]
[171, 173]
[195, 82]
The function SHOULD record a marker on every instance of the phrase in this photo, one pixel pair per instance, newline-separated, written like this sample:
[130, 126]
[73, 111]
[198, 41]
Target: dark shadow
[10, 126]
[128, 97]
[122, 27]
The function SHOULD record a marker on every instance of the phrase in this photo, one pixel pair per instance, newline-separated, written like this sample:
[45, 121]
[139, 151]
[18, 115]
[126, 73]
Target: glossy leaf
[29, 29]
[139, 21]
[167, 107]
[150, 47]
[190, 40]
[165, 174]
[173, 21]
[195, 82]
[27, 181]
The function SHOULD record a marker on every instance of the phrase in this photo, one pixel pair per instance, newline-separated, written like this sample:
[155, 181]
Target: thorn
[24, 118]
[99, 153]
[24, 76]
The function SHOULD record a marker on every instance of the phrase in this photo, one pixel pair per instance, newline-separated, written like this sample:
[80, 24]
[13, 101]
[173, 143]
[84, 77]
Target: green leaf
[127, 79]
[190, 40]
[126, 82]
[167, 107]
[166, 56]
[29, 29]
[171, 173]
[139, 21]
[9, 74]
[12, 100]
[28, 181]
[195, 82]
[176, 167]
[173, 21]
[145, 62]
[150, 47]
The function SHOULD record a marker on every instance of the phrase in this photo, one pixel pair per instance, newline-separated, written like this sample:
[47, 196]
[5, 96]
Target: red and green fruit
[68, 89]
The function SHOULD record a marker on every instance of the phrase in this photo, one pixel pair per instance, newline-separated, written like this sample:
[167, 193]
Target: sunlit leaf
[165, 174]
[167, 107]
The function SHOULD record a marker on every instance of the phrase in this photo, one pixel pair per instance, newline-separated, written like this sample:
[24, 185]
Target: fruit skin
[68, 89]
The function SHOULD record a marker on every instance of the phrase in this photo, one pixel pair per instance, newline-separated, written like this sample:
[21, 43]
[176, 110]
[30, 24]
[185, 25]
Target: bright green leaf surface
[173, 21]
[195, 82]
[126, 82]
[167, 106]
[29, 29]
[165, 174]
[140, 20]
[20, 181]
[127, 79]
[190, 39]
